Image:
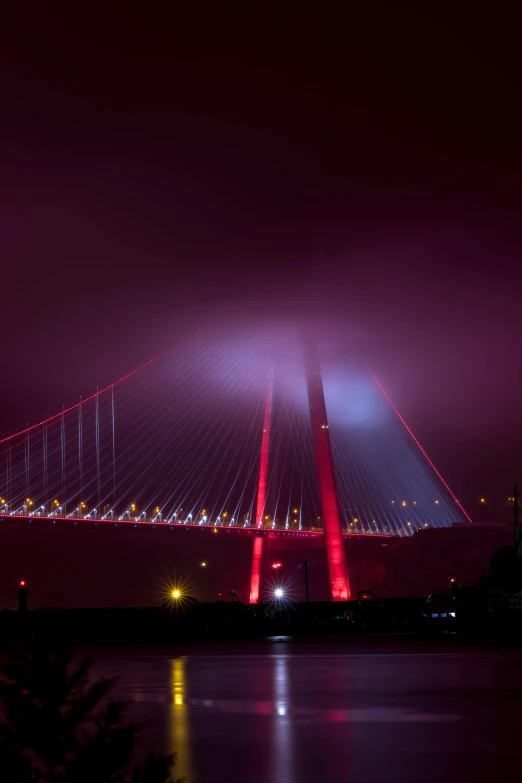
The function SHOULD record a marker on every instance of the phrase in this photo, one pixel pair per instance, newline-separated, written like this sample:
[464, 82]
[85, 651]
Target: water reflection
[179, 734]
[282, 733]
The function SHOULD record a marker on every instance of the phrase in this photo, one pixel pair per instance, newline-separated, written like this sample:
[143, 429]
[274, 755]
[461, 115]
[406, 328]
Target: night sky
[165, 165]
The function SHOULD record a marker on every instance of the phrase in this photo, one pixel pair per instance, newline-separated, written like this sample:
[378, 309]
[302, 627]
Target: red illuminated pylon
[333, 537]
[261, 496]
[263, 463]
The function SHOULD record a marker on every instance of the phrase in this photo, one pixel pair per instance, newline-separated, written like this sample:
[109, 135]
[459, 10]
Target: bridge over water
[272, 436]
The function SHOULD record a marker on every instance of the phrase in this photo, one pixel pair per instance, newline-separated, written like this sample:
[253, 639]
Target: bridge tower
[261, 495]
[333, 537]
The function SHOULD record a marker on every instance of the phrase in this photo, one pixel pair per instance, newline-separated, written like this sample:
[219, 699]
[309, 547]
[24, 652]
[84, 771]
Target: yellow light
[176, 593]
[403, 502]
[409, 523]
[355, 520]
[267, 517]
[426, 524]
[157, 510]
[436, 502]
[482, 500]
[204, 511]
[203, 564]
[133, 507]
[225, 514]
[215, 530]
[295, 511]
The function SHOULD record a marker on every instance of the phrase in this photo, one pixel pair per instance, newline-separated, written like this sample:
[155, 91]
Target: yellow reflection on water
[179, 729]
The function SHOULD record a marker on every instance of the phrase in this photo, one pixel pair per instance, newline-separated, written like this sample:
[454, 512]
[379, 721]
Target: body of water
[283, 712]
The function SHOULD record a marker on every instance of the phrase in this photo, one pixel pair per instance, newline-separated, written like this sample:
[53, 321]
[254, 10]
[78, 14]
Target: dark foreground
[362, 709]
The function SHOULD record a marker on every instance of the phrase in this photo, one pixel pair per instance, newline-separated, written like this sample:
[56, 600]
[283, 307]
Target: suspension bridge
[269, 435]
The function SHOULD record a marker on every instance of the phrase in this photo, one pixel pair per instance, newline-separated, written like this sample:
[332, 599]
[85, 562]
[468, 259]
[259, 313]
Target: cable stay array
[178, 441]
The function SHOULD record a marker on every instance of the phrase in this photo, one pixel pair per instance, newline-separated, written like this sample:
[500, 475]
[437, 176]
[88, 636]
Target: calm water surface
[284, 712]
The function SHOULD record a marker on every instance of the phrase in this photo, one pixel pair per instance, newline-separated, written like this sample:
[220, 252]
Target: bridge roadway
[237, 529]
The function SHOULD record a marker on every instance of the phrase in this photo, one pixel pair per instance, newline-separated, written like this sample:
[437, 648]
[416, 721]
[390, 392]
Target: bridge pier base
[255, 579]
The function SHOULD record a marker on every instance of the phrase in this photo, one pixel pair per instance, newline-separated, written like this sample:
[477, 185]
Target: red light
[22, 583]
[276, 565]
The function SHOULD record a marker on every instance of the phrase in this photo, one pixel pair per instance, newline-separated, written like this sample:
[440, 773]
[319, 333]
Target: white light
[278, 592]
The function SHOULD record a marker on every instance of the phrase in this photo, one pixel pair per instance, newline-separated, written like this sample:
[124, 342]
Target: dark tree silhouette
[54, 728]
